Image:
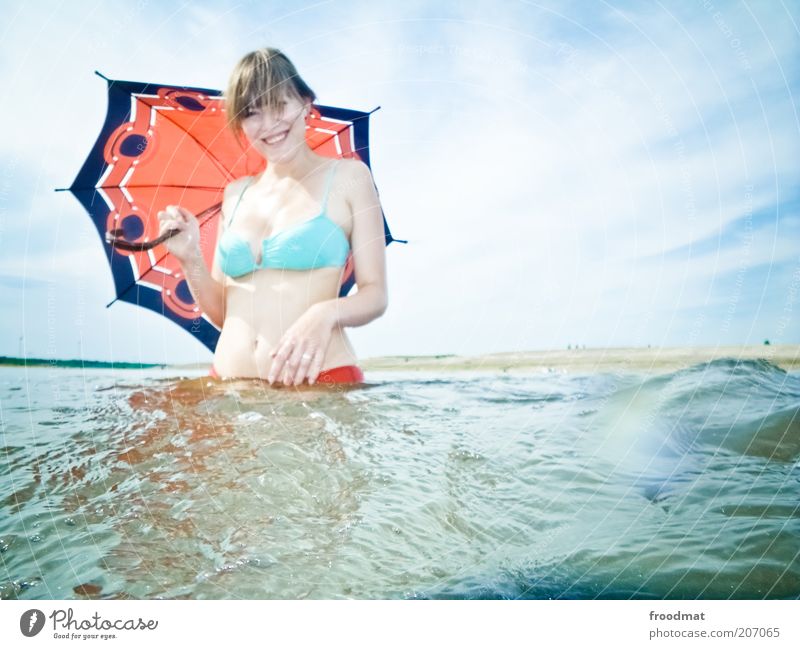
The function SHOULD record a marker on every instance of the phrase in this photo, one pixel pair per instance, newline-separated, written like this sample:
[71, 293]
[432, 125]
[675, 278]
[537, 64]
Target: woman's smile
[275, 139]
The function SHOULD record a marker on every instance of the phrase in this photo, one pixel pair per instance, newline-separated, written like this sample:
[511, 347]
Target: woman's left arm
[368, 244]
[302, 349]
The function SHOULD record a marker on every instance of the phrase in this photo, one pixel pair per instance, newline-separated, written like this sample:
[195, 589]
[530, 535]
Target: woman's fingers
[316, 366]
[174, 217]
[185, 214]
[169, 224]
[278, 358]
[305, 361]
[168, 218]
[299, 363]
[293, 365]
[164, 223]
[175, 213]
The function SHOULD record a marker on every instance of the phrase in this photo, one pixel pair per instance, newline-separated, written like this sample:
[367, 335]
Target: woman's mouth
[275, 139]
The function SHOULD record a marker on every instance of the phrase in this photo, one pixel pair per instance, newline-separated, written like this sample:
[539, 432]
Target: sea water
[135, 484]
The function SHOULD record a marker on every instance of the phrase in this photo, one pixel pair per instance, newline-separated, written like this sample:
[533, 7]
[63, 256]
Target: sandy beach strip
[615, 359]
[647, 360]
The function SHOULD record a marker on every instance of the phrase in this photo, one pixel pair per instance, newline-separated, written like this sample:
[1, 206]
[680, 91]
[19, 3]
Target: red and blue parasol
[169, 145]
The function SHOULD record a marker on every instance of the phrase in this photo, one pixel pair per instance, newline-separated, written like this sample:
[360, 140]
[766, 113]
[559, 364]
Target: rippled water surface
[547, 485]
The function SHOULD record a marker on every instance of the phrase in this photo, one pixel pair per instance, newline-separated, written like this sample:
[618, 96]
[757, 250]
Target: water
[140, 484]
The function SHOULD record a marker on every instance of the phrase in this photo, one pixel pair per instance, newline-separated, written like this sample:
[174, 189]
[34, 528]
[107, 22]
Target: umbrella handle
[117, 239]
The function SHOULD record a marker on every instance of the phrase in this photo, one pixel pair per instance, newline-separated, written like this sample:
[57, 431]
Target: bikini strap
[328, 185]
[250, 182]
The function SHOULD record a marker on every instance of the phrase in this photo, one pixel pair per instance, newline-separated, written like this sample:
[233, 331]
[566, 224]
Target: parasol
[169, 145]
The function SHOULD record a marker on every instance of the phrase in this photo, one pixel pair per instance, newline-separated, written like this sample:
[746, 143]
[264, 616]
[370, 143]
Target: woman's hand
[184, 245]
[301, 350]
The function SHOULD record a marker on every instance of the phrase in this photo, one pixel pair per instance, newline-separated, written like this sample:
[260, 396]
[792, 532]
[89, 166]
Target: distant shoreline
[638, 359]
[12, 361]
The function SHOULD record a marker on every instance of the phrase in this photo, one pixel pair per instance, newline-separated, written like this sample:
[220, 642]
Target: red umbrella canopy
[169, 145]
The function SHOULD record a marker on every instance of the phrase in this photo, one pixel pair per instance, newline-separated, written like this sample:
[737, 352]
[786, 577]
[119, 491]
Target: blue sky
[607, 174]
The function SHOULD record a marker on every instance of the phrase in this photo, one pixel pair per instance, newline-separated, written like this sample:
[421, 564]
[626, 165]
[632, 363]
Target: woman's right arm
[207, 288]
[208, 293]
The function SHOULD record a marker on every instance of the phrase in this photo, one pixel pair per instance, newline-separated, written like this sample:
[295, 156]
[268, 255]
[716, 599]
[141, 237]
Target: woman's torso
[263, 304]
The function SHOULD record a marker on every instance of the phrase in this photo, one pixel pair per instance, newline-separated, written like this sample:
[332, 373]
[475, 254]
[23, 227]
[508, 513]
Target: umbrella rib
[89, 189]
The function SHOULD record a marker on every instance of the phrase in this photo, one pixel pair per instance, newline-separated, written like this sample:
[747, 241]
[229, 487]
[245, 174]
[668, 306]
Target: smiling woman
[285, 237]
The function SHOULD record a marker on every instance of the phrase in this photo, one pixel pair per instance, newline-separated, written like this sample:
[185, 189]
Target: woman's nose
[271, 119]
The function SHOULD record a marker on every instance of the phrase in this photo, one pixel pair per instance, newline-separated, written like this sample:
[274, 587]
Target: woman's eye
[248, 112]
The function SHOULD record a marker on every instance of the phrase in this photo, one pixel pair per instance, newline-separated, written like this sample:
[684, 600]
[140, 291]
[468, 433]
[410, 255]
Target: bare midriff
[261, 306]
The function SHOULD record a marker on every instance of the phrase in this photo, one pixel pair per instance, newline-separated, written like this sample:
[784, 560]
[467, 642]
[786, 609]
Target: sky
[566, 173]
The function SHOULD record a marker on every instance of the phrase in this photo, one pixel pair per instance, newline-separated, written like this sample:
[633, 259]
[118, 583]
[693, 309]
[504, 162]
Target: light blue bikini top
[311, 244]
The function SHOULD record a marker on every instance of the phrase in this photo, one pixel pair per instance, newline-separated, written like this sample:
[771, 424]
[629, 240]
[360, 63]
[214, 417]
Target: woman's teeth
[276, 138]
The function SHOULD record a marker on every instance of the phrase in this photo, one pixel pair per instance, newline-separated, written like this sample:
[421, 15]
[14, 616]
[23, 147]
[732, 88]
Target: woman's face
[277, 134]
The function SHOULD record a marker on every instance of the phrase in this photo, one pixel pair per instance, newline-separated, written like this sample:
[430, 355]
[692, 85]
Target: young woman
[283, 241]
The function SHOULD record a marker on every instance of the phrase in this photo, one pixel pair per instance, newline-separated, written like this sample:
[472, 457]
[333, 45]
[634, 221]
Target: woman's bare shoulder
[236, 186]
[352, 172]
[352, 166]
[356, 180]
